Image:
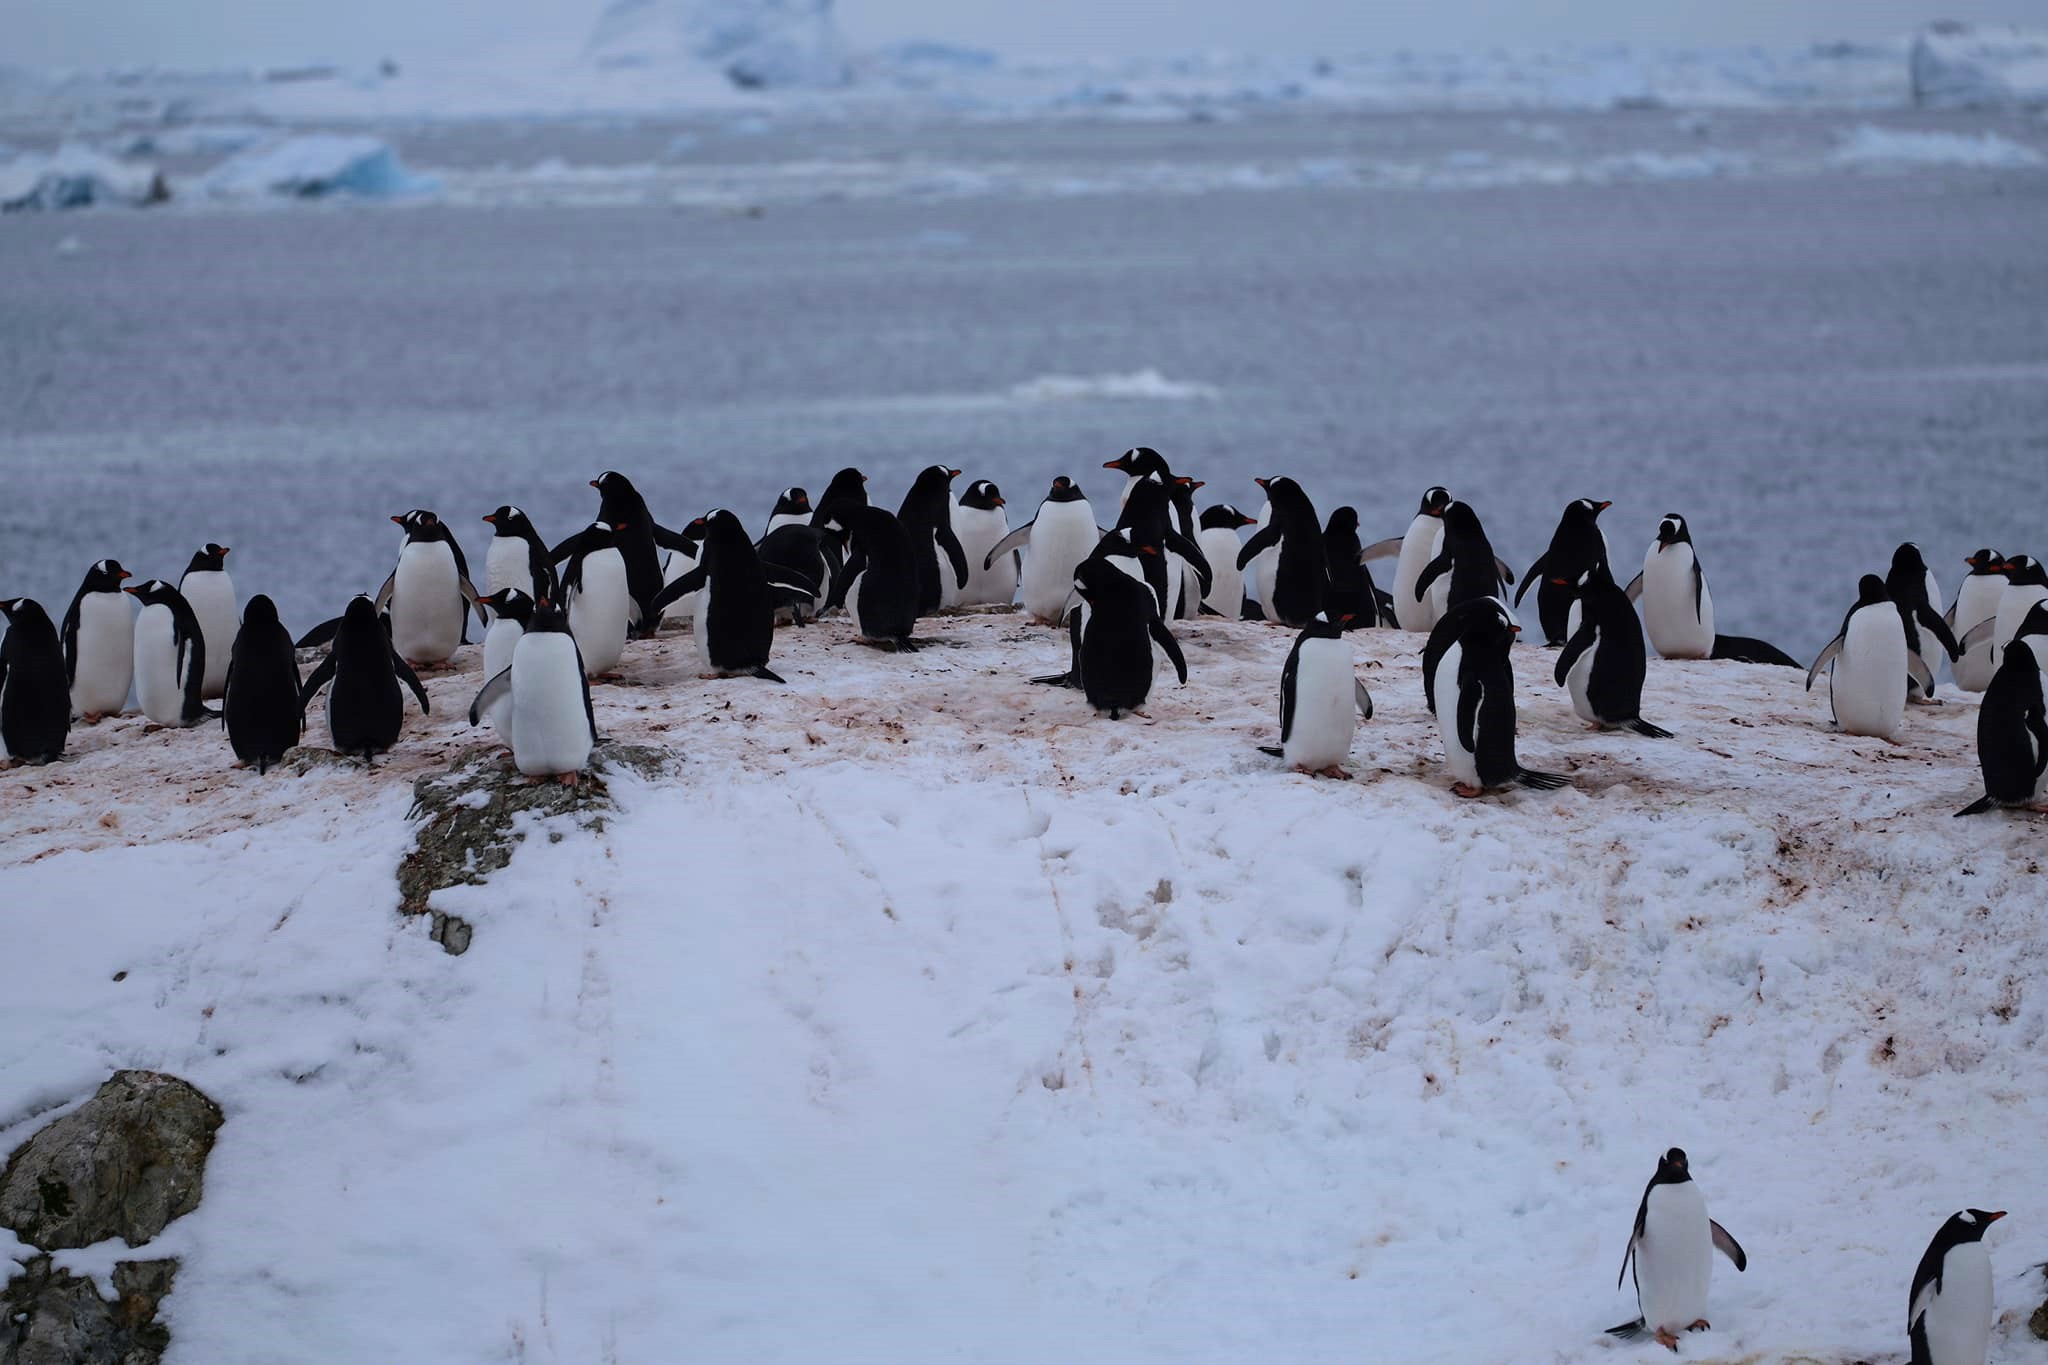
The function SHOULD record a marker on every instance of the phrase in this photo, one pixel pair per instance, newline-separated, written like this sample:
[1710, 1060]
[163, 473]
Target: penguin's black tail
[1977, 807]
[1647, 730]
[1059, 680]
[765, 674]
[1273, 749]
[1627, 1331]
[1542, 782]
[1744, 650]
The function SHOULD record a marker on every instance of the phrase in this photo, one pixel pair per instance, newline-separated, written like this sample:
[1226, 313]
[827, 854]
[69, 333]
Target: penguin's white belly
[598, 611]
[501, 646]
[700, 626]
[211, 594]
[550, 731]
[1869, 683]
[1958, 1319]
[106, 654]
[673, 567]
[426, 603]
[782, 519]
[1418, 547]
[1674, 1258]
[1678, 618]
[1226, 585]
[1461, 761]
[1061, 538]
[1976, 604]
[853, 600]
[1581, 677]
[2015, 600]
[1265, 566]
[1177, 571]
[157, 688]
[979, 528]
[506, 565]
[1325, 706]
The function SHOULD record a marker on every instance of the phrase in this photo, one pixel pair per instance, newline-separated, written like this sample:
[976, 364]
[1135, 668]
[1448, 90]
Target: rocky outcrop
[52, 1317]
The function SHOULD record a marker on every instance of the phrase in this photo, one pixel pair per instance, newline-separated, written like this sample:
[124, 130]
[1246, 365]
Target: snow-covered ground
[918, 1013]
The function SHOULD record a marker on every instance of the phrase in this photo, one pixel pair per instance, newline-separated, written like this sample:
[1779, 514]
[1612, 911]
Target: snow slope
[923, 1015]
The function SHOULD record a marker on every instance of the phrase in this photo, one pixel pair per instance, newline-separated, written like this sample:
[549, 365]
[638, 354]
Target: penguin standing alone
[546, 691]
[170, 656]
[1948, 1309]
[1867, 688]
[99, 643]
[1416, 548]
[1055, 542]
[365, 709]
[1321, 701]
[1469, 685]
[1672, 1249]
[211, 592]
[35, 699]
[1575, 547]
[260, 707]
[1603, 662]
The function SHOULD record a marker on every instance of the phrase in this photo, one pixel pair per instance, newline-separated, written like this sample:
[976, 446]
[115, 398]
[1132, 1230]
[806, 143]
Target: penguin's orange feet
[91, 718]
[1460, 789]
[1925, 701]
[1701, 1325]
[1667, 1340]
[568, 779]
[1336, 771]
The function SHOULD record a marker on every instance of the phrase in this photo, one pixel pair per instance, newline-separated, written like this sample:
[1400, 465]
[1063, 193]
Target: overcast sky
[233, 32]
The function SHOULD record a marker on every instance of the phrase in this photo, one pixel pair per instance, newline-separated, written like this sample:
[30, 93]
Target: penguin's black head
[1672, 1167]
[508, 521]
[1459, 516]
[1225, 517]
[511, 603]
[2025, 569]
[1672, 531]
[105, 576]
[1342, 520]
[1986, 560]
[933, 481]
[361, 611]
[544, 617]
[1434, 501]
[1906, 559]
[212, 558]
[152, 592]
[1870, 590]
[1598, 576]
[846, 482]
[1321, 627]
[1586, 509]
[791, 502]
[1139, 461]
[982, 495]
[1968, 1225]
[259, 611]
[417, 523]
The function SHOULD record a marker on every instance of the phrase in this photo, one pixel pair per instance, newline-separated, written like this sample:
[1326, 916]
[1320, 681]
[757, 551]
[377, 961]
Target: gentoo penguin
[2026, 582]
[2012, 722]
[1469, 685]
[1321, 701]
[543, 699]
[878, 584]
[1948, 1312]
[980, 523]
[170, 656]
[1467, 557]
[1219, 544]
[1057, 539]
[1575, 547]
[99, 643]
[211, 593]
[35, 702]
[1138, 463]
[1112, 640]
[1977, 602]
[260, 707]
[1868, 685]
[848, 490]
[517, 557]
[601, 607]
[1301, 575]
[733, 619]
[511, 609]
[1678, 610]
[1180, 493]
[1353, 595]
[428, 596]
[1147, 522]
[1416, 548]
[1672, 1249]
[797, 552]
[619, 504]
[927, 515]
[1913, 591]
[792, 508]
[1603, 661]
[364, 706]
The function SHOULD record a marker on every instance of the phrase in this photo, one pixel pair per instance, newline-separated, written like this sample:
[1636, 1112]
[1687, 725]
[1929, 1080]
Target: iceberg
[314, 166]
[755, 44]
[1955, 66]
[75, 177]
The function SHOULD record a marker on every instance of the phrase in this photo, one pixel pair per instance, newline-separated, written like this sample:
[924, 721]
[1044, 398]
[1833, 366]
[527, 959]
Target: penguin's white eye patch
[1967, 1217]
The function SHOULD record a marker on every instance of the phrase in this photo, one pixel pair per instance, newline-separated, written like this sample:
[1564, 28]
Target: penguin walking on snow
[1415, 547]
[35, 699]
[1976, 602]
[260, 705]
[517, 557]
[601, 607]
[1672, 1249]
[511, 609]
[2012, 722]
[1469, 685]
[428, 595]
[211, 592]
[170, 656]
[878, 583]
[1321, 701]
[365, 709]
[1219, 544]
[980, 523]
[1301, 572]
[1948, 1310]
[99, 643]
[545, 691]
[1678, 610]
[1911, 586]
[1868, 685]
[1112, 637]
[927, 515]
[1603, 660]
[733, 619]
[1055, 541]
[1575, 547]
[1467, 557]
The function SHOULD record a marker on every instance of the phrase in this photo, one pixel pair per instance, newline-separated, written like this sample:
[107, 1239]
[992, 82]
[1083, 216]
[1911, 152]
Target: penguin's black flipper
[1009, 544]
[1437, 568]
[320, 678]
[1542, 782]
[1251, 611]
[410, 679]
[682, 587]
[1728, 1246]
[1273, 749]
[767, 675]
[1627, 1331]
[1977, 807]
[1535, 572]
[1265, 536]
[318, 635]
[1743, 650]
[1206, 610]
[1647, 730]
[500, 685]
[582, 540]
[1634, 590]
[673, 540]
[1976, 635]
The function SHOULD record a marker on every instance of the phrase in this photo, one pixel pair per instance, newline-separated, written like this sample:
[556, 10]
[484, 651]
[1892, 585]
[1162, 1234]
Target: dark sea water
[1811, 369]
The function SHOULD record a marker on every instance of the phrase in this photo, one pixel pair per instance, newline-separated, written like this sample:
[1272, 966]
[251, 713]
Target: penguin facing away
[1867, 688]
[1416, 548]
[1353, 595]
[1672, 1251]
[1469, 683]
[847, 491]
[1113, 639]
[1976, 602]
[619, 504]
[1321, 701]
[99, 642]
[35, 699]
[2012, 723]
[428, 595]
[927, 515]
[1164, 554]
[878, 584]
[1054, 541]
[1301, 573]
[1908, 584]
[365, 709]
[1949, 1308]
[211, 593]
[170, 656]
[260, 705]
[1467, 557]
[733, 621]
[1575, 547]
[1603, 662]
[546, 692]
[797, 552]
[517, 557]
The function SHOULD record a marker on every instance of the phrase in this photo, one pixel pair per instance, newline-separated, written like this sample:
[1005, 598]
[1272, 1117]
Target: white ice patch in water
[1146, 383]
[1869, 145]
[316, 165]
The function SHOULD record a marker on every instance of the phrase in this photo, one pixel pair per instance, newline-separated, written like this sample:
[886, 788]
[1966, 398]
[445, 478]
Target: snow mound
[1955, 66]
[1869, 145]
[757, 44]
[1148, 383]
[317, 165]
[75, 177]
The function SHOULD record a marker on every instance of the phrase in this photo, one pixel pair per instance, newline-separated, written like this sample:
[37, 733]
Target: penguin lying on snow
[170, 657]
[2012, 722]
[1867, 688]
[1416, 548]
[1948, 1311]
[546, 691]
[1112, 634]
[211, 593]
[1469, 686]
[1575, 547]
[1056, 540]
[1603, 661]
[1672, 1249]
[260, 707]
[1321, 701]
[365, 709]
[99, 643]
[1678, 611]
[35, 701]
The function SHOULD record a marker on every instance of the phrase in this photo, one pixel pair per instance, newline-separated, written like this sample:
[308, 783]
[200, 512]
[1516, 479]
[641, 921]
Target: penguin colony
[556, 617]
[1115, 591]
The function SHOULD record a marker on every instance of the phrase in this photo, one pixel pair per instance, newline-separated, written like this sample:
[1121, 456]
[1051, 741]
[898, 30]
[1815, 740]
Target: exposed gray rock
[124, 1164]
[52, 1317]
